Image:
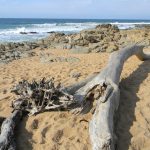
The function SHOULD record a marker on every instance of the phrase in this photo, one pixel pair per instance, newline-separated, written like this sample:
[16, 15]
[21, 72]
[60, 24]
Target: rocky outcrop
[14, 51]
[96, 40]
[103, 38]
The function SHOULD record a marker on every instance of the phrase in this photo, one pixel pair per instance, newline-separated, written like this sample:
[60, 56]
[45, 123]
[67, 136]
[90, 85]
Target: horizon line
[73, 18]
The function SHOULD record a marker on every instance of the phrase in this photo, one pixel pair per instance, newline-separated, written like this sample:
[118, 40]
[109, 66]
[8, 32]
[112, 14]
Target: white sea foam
[41, 30]
[14, 34]
[129, 25]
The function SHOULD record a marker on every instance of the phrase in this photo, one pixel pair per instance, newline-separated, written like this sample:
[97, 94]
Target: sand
[65, 131]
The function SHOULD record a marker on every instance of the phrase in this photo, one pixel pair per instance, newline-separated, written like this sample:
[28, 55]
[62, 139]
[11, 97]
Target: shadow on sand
[129, 88]
[23, 137]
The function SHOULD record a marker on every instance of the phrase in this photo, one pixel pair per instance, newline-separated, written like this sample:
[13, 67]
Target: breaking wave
[36, 31]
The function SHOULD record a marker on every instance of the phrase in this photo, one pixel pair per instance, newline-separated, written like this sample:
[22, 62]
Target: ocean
[17, 30]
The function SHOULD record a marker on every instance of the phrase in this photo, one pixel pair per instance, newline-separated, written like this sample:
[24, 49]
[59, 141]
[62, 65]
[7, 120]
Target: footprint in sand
[57, 136]
[35, 124]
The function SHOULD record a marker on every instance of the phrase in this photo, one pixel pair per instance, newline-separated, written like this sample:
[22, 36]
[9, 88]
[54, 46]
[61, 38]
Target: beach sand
[65, 131]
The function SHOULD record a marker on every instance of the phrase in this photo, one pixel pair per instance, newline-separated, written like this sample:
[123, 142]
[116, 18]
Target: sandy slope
[64, 131]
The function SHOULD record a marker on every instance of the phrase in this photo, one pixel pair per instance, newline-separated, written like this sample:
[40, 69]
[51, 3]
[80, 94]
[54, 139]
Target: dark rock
[92, 38]
[33, 32]
[23, 33]
[103, 26]
[51, 32]
[4, 91]
[21, 44]
[108, 26]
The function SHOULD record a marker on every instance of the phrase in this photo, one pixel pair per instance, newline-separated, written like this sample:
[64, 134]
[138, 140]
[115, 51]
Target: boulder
[103, 26]
[33, 32]
[92, 38]
[23, 33]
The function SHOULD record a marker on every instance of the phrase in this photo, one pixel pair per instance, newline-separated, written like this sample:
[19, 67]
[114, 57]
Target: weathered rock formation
[14, 51]
[104, 38]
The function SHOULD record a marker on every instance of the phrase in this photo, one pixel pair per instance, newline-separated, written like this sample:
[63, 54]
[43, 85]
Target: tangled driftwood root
[36, 97]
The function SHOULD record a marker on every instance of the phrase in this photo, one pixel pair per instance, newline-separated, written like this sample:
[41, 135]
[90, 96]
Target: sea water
[17, 30]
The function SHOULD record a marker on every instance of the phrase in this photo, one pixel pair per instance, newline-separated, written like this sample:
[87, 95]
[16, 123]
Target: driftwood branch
[7, 131]
[105, 89]
[73, 88]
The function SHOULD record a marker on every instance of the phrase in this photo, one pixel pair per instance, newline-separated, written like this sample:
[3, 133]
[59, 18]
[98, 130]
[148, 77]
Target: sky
[85, 9]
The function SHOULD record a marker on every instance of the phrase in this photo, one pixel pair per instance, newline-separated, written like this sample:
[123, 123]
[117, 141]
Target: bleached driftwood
[73, 88]
[7, 131]
[40, 96]
[105, 88]
[102, 88]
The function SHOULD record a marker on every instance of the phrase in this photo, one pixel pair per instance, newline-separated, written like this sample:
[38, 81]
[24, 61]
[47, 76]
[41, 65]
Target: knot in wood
[96, 92]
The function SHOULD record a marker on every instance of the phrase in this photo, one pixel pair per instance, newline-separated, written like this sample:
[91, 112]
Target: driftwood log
[99, 91]
[7, 131]
[101, 126]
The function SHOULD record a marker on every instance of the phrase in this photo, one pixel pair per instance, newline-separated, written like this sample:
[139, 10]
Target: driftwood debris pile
[40, 96]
